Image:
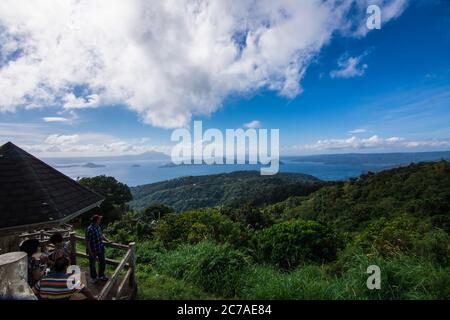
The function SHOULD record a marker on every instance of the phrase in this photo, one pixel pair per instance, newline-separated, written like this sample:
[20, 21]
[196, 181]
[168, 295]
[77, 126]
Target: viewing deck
[121, 284]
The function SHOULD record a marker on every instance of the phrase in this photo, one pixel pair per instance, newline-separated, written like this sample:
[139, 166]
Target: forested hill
[230, 189]
[311, 245]
[420, 191]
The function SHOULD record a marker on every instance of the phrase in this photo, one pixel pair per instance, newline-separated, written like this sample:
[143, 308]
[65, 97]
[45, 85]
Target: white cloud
[349, 68]
[389, 10]
[56, 139]
[253, 124]
[90, 144]
[428, 144]
[55, 119]
[42, 141]
[358, 131]
[22, 133]
[373, 142]
[166, 60]
[73, 102]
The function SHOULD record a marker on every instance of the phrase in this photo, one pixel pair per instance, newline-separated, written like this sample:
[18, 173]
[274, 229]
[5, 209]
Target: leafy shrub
[156, 211]
[434, 246]
[197, 225]
[147, 252]
[132, 226]
[388, 236]
[137, 225]
[249, 216]
[404, 234]
[402, 277]
[217, 268]
[291, 243]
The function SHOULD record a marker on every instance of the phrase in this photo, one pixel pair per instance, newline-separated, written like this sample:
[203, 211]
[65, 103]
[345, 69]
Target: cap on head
[96, 218]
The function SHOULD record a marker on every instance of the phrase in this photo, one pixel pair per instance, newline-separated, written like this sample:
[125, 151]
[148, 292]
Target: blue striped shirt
[94, 236]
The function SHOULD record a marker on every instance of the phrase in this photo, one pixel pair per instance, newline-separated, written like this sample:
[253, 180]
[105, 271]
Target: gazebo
[33, 195]
[36, 200]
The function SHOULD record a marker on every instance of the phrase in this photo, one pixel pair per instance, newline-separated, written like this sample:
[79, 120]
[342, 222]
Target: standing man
[96, 249]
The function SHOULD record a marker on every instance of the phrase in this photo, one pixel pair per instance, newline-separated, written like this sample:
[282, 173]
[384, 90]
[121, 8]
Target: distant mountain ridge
[388, 159]
[150, 155]
[220, 189]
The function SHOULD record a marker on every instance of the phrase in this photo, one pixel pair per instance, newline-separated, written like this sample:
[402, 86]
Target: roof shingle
[32, 192]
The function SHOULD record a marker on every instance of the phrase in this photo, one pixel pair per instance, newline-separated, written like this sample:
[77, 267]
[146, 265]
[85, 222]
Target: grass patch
[157, 286]
[216, 268]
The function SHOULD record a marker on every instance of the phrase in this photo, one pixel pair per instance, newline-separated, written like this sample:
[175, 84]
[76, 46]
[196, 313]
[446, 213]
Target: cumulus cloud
[166, 60]
[73, 102]
[91, 144]
[358, 131]
[253, 124]
[389, 10]
[349, 67]
[373, 142]
[56, 139]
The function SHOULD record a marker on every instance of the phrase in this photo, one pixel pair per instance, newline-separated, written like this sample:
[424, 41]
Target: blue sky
[380, 91]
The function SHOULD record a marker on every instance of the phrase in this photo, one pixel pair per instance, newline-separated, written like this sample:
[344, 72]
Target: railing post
[41, 240]
[73, 248]
[132, 263]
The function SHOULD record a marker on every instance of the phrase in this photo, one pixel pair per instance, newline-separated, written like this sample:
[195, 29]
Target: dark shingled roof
[33, 193]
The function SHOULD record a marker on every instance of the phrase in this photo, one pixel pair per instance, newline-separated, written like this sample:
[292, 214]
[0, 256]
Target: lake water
[135, 173]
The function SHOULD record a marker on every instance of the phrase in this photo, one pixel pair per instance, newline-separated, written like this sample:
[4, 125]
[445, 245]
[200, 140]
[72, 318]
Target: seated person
[36, 262]
[61, 249]
[55, 285]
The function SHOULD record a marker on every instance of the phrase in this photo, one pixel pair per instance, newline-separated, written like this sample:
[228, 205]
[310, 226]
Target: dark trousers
[101, 264]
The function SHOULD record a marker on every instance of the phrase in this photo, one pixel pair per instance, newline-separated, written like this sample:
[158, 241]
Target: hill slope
[316, 246]
[231, 189]
[419, 190]
[386, 159]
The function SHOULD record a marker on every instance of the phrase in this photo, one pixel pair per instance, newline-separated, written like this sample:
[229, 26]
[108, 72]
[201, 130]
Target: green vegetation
[313, 245]
[214, 267]
[157, 286]
[291, 243]
[137, 225]
[228, 189]
[116, 196]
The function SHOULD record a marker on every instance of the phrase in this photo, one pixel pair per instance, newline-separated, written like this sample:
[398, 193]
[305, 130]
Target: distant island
[86, 165]
[92, 165]
[136, 166]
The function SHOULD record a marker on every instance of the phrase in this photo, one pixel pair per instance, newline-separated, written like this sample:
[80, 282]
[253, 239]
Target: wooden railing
[128, 262]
